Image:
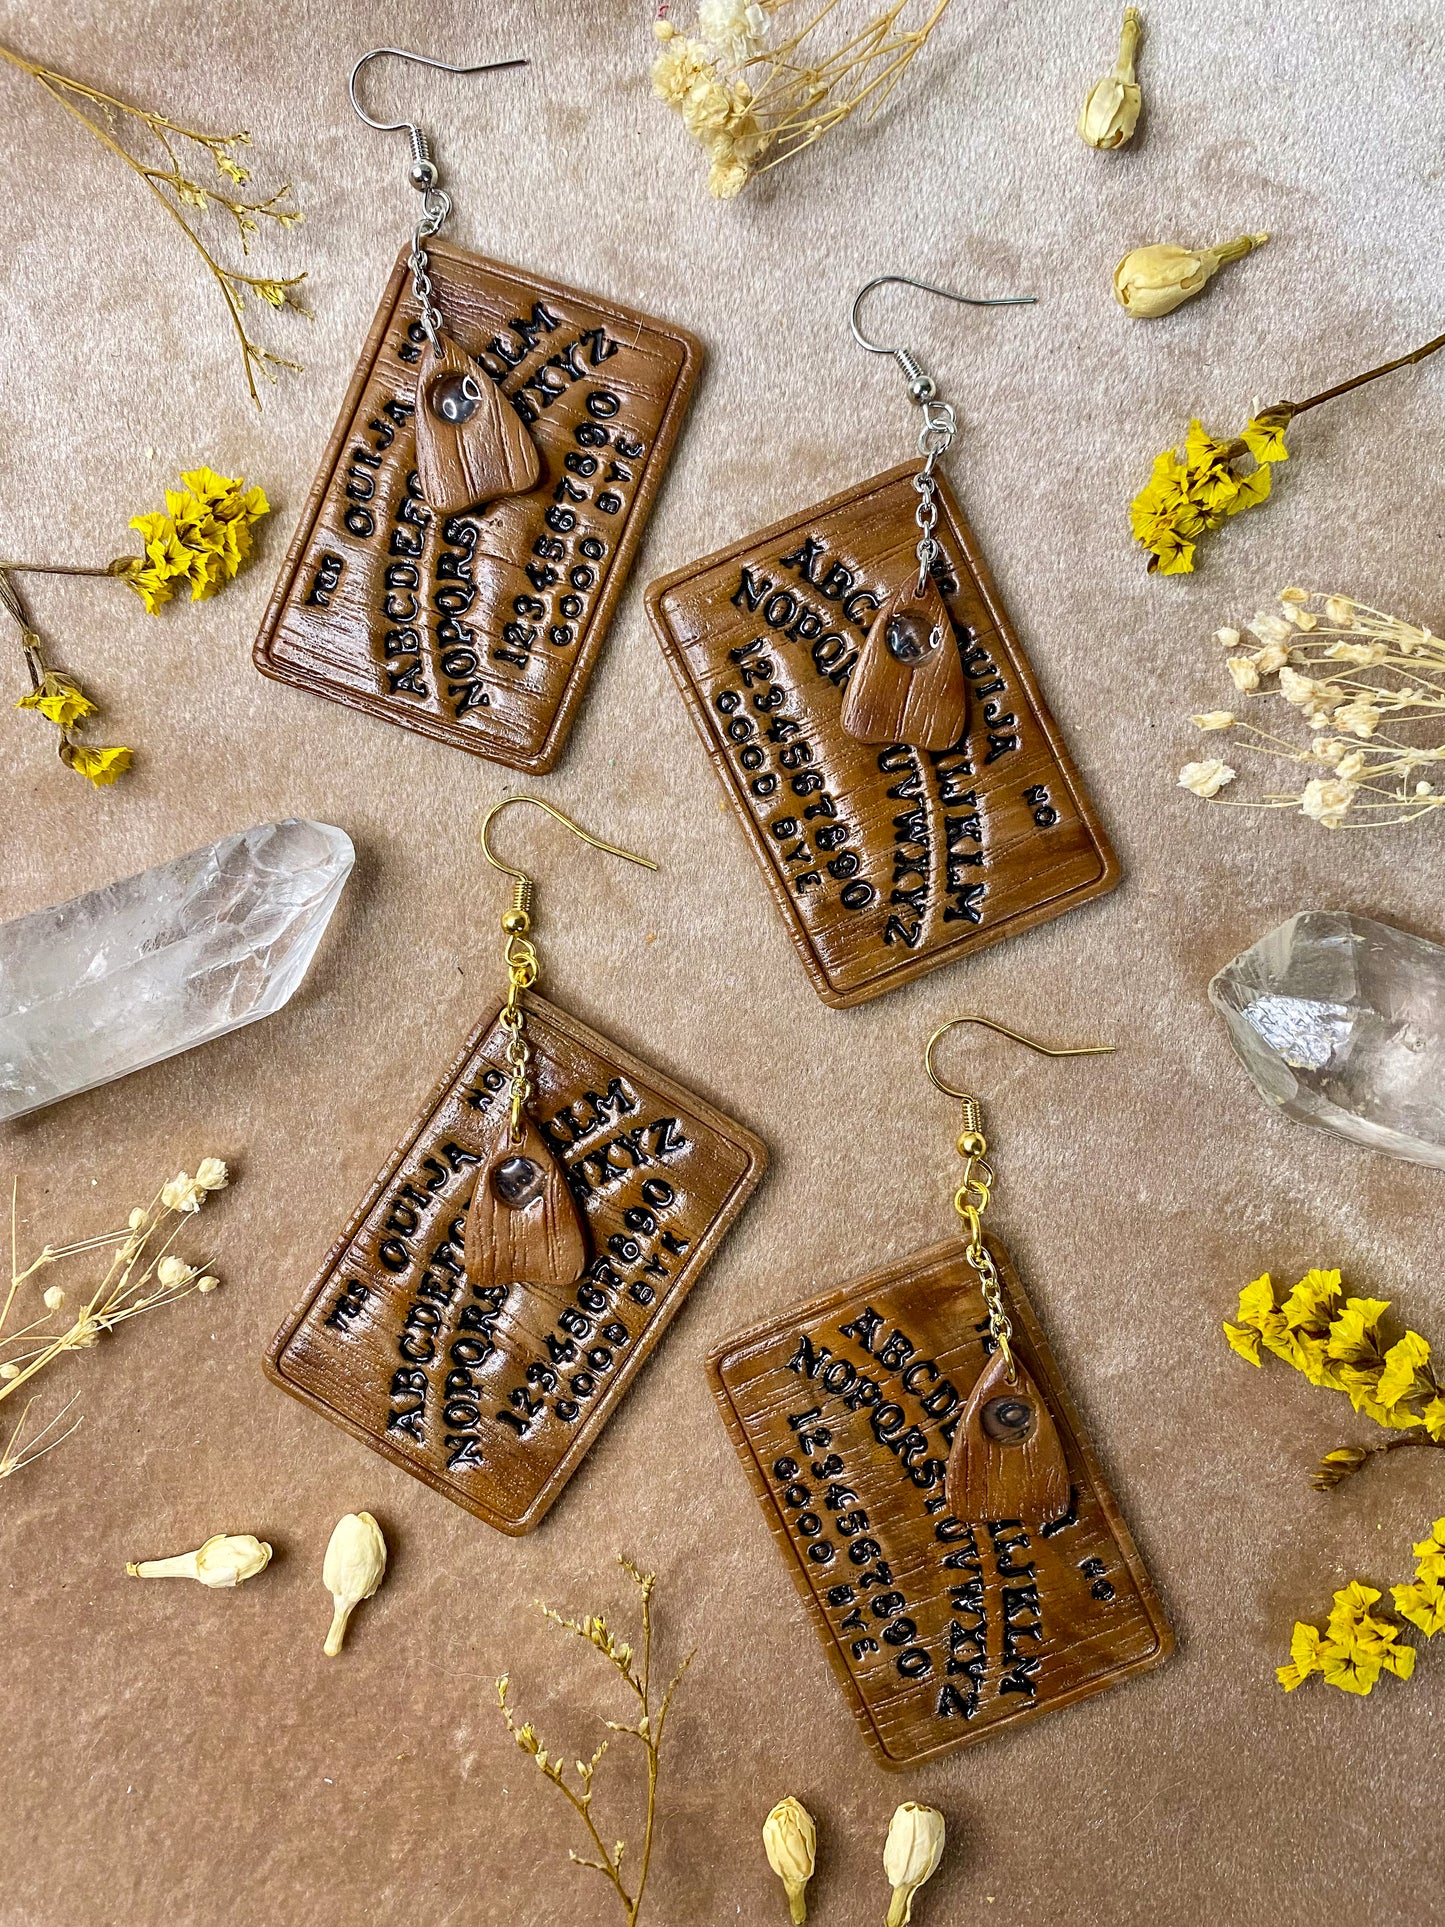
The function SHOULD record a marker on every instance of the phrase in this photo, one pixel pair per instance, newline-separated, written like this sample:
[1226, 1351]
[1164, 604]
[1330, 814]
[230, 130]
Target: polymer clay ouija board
[885, 859]
[481, 627]
[493, 1393]
[940, 1629]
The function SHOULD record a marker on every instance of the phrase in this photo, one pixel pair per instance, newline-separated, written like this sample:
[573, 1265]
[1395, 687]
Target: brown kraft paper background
[174, 1755]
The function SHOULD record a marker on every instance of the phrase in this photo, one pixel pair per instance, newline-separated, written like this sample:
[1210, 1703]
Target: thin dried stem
[176, 191]
[647, 1730]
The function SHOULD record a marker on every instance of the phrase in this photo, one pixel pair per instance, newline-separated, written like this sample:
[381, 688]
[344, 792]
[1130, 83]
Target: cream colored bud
[9, 1369]
[206, 1285]
[791, 1842]
[911, 1853]
[223, 1561]
[1154, 281]
[1111, 112]
[173, 1271]
[212, 1175]
[354, 1567]
[54, 1298]
[137, 1219]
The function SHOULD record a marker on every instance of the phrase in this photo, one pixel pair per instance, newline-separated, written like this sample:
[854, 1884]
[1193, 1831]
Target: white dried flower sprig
[635, 1671]
[1351, 678]
[751, 102]
[143, 1273]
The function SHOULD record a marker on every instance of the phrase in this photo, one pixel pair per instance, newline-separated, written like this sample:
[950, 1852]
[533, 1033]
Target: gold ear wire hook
[522, 883]
[1032, 1043]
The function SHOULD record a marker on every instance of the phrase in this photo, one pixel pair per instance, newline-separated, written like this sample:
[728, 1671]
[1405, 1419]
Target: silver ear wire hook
[939, 424]
[424, 175]
[921, 385]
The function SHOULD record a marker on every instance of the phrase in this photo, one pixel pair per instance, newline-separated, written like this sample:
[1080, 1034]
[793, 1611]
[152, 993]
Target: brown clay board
[939, 1630]
[494, 1397]
[481, 629]
[885, 861]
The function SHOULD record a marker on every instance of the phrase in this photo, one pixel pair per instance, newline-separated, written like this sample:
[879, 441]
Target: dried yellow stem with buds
[143, 1273]
[164, 173]
[646, 1729]
[751, 102]
[1366, 692]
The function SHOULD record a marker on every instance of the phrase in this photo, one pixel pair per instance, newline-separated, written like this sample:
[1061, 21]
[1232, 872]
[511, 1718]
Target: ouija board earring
[925, 1474]
[484, 491]
[876, 724]
[522, 1251]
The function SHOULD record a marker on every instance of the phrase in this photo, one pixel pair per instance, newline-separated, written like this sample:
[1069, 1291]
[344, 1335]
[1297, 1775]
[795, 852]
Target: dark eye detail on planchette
[1009, 1420]
[518, 1181]
[455, 398]
[910, 639]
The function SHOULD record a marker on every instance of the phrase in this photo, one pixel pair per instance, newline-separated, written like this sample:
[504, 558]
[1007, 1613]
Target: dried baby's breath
[752, 94]
[142, 1274]
[1358, 700]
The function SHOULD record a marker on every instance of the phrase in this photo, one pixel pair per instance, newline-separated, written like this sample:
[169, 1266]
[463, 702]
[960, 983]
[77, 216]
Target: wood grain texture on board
[885, 862]
[481, 628]
[940, 1629]
[492, 1392]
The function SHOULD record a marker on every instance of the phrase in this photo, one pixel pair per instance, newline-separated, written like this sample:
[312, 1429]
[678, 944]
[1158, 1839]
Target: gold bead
[972, 1144]
[516, 922]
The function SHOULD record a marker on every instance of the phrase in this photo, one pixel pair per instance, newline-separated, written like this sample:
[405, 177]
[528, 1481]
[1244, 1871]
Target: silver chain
[934, 440]
[436, 206]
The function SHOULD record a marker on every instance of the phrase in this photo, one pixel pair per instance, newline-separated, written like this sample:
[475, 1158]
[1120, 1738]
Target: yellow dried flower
[1189, 495]
[201, 540]
[1154, 281]
[101, 766]
[1111, 111]
[60, 700]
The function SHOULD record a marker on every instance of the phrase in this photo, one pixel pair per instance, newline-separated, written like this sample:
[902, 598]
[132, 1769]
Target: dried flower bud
[911, 1852]
[9, 1369]
[54, 1298]
[212, 1175]
[137, 1219]
[223, 1561]
[791, 1841]
[354, 1567]
[1154, 281]
[1337, 1466]
[1214, 719]
[1111, 112]
[1207, 778]
[205, 1285]
[173, 1271]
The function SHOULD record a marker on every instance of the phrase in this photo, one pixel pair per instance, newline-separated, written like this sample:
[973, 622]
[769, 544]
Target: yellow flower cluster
[1340, 1346]
[718, 113]
[200, 541]
[1187, 497]
[1354, 1649]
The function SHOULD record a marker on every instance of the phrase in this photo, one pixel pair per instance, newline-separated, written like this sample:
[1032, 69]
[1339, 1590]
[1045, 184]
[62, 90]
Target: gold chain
[521, 975]
[970, 1201]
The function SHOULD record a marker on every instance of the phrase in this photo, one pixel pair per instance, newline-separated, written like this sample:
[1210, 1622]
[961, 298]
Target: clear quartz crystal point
[157, 963]
[1340, 1021]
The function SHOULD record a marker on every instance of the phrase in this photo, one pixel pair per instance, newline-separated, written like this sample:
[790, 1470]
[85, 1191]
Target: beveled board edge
[903, 972]
[755, 1152]
[669, 427]
[1039, 1355]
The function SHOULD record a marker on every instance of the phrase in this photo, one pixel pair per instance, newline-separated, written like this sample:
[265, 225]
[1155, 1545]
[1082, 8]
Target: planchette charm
[523, 1226]
[471, 444]
[908, 684]
[1007, 1460]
